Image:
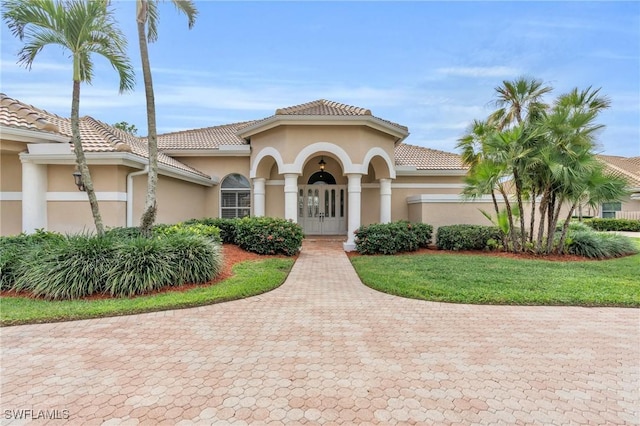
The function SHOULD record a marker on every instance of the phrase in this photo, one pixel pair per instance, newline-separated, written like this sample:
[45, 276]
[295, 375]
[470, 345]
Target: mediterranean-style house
[328, 166]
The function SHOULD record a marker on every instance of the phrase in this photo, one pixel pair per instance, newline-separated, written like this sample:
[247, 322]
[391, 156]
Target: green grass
[480, 279]
[250, 278]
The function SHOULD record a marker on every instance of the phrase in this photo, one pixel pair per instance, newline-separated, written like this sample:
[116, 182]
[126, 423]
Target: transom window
[235, 197]
[609, 209]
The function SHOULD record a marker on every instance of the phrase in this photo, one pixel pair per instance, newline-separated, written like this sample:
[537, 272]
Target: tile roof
[323, 107]
[426, 158]
[19, 115]
[627, 168]
[205, 138]
[96, 136]
[330, 108]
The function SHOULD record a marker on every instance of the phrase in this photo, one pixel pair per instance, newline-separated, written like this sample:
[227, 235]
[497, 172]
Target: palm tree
[82, 28]
[147, 22]
[518, 101]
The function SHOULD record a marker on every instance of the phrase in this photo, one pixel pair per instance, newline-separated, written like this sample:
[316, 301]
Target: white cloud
[498, 71]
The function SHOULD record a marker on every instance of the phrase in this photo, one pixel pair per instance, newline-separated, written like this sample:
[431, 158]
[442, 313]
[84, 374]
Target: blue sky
[431, 66]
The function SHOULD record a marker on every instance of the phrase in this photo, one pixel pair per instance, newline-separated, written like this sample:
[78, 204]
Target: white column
[291, 196]
[354, 189]
[258, 196]
[385, 200]
[34, 196]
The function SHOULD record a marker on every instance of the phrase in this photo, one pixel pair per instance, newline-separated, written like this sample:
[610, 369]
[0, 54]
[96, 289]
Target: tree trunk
[556, 216]
[565, 228]
[81, 161]
[532, 222]
[550, 226]
[512, 236]
[523, 232]
[150, 207]
[497, 209]
[544, 205]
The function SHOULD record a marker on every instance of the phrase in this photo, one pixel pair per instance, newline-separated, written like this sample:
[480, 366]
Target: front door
[322, 209]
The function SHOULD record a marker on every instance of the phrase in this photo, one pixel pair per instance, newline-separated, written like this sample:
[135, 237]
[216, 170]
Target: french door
[322, 209]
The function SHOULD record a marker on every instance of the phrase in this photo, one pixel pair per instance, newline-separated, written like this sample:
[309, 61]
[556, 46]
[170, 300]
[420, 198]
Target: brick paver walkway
[323, 348]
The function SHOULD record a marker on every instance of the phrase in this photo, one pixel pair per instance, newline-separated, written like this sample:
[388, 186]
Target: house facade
[328, 166]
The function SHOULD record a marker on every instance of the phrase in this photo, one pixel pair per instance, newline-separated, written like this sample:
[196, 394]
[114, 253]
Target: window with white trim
[609, 210]
[235, 196]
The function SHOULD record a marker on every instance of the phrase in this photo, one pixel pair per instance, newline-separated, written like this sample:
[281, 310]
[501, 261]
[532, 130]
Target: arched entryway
[322, 205]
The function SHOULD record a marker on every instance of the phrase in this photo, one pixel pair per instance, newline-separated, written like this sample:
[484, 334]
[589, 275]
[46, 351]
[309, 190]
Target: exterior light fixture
[77, 177]
[322, 164]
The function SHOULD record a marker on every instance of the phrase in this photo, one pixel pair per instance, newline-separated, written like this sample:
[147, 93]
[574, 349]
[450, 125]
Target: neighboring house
[629, 169]
[328, 166]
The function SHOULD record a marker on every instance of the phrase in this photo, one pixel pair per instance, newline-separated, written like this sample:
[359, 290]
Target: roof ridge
[319, 102]
[23, 110]
[430, 149]
[107, 131]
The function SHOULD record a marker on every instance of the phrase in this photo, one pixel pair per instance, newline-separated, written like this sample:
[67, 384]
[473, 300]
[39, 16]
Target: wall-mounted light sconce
[77, 177]
[322, 164]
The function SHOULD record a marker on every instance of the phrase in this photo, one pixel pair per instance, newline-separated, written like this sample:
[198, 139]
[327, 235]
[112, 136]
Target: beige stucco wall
[10, 172]
[274, 203]
[106, 178]
[356, 141]
[10, 217]
[218, 167]
[75, 216]
[177, 200]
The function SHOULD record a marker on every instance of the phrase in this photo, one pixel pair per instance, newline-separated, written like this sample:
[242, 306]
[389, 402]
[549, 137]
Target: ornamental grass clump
[73, 267]
[599, 245]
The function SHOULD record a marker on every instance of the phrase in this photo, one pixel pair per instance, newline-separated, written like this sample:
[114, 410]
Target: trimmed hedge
[391, 238]
[268, 235]
[625, 225]
[71, 267]
[206, 230]
[466, 237]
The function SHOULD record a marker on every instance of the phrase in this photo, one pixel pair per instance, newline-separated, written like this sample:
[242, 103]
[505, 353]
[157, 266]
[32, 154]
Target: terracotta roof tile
[627, 168]
[426, 158]
[96, 136]
[205, 138]
[14, 113]
[323, 107]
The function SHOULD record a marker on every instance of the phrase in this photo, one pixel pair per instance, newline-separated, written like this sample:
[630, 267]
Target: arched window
[235, 196]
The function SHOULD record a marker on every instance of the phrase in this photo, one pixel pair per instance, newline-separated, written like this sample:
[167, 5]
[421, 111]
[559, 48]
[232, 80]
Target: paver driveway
[323, 348]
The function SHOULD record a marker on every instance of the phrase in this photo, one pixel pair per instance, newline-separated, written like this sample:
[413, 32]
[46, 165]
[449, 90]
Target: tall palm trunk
[565, 228]
[523, 232]
[81, 160]
[512, 235]
[497, 209]
[554, 220]
[532, 222]
[544, 205]
[150, 207]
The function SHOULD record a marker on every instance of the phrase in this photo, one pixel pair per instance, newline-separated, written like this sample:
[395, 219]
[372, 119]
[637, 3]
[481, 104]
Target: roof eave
[315, 120]
[31, 136]
[413, 171]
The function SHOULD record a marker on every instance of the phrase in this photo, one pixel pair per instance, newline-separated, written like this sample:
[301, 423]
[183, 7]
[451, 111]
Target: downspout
[130, 177]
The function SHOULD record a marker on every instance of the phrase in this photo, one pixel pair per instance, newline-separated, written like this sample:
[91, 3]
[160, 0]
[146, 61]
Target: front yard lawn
[486, 279]
[250, 278]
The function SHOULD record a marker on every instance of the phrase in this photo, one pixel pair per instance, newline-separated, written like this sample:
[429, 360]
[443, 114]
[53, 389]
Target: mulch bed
[232, 255]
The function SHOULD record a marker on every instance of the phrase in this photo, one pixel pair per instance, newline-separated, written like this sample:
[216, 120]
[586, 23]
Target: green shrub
[227, 227]
[625, 225]
[391, 238]
[195, 259]
[14, 250]
[268, 235]
[73, 267]
[598, 245]
[122, 232]
[209, 231]
[466, 237]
